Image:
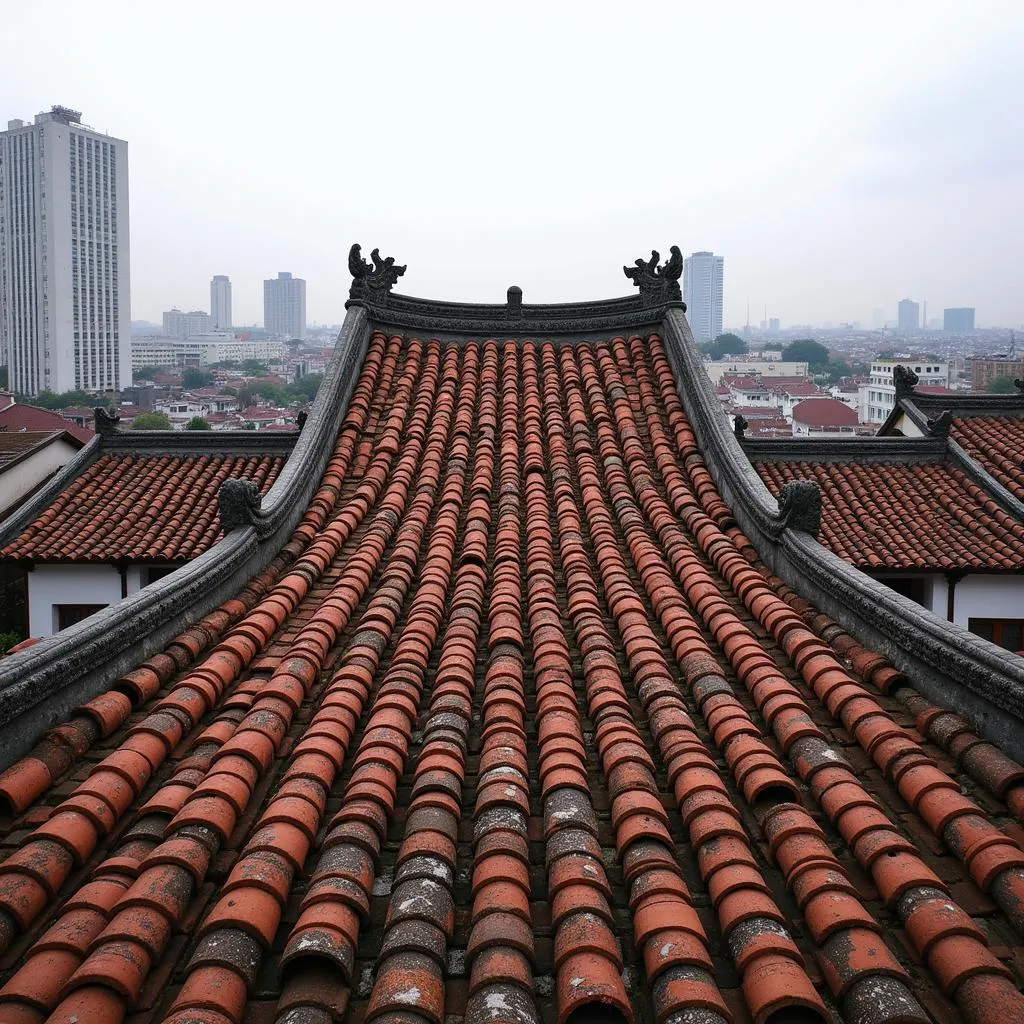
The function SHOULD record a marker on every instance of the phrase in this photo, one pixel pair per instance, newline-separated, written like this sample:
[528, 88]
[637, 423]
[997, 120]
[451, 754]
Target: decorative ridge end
[239, 502]
[941, 425]
[371, 283]
[905, 380]
[658, 284]
[1018, 383]
[106, 422]
[739, 425]
[800, 507]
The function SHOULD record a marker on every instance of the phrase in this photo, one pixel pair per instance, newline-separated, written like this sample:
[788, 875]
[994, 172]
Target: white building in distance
[702, 293]
[220, 302]
[178, 324]
[878, 396]
[65, 317]
[202, 350]
[284, 306]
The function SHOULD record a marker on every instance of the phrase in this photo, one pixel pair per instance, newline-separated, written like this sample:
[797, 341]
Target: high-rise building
[774, 323]
[908, 316]
[220, 302]
[178, 324]
[65, 317]
[284, 306]
[959, 320]
[702, 293]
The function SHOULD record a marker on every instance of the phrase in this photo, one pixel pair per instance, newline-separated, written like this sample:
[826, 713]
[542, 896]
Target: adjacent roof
[19, 445]
[17, 417]
[924, 516]
[517, 728]
[997, 442]
[138, 508]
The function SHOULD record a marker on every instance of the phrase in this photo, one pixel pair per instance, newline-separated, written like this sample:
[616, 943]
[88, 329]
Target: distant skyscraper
[702, 293]
[908, 318]
[178, 324]
[774, 323]
[959, 320]
[284, 306]
[220, 302]
[65, 317]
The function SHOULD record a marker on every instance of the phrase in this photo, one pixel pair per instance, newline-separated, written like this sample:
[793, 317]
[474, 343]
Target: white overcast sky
[840, 157]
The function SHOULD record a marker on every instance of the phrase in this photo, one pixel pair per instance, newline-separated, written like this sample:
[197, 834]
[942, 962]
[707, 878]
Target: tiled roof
[15, 446]
[824, 412]
[997, 442]
[18, 417]
[516, 728]
[916, 516]
[138, 508]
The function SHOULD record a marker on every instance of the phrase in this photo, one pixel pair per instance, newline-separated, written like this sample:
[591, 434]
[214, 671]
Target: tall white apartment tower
[65, 317]
[702, 293]
[284, 306]
[220, 302]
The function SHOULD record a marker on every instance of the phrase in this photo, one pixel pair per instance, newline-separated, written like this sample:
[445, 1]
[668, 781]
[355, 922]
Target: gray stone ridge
[41, 686]
[945, 662]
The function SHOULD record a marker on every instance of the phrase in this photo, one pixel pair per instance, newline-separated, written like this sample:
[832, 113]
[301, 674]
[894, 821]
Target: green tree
[5, 377]
[193, 377]
[63, 400]
[1002, 385]
[197, 423]
[254, 368]
[807, 350]
[305, 388]
[146, 372]
[729, 344]
[151, 421]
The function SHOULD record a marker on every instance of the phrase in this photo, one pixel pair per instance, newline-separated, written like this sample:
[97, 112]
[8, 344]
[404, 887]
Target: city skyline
[822, 216]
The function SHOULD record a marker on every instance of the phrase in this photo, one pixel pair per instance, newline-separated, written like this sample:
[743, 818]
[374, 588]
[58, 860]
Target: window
[909, 586]
[68, 614]
[1006, 633]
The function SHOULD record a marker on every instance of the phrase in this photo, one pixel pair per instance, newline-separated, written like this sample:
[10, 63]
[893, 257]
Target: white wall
[988, 597]
[21, 478]
[49, 585]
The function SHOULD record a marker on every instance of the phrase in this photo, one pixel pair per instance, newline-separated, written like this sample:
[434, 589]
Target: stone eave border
[41, 685]
[948, 664]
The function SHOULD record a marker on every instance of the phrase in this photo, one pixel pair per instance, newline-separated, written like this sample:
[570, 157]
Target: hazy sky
[840, 157]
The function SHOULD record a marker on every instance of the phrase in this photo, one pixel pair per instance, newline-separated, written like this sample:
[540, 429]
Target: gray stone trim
[40, 686]
[854, 449]
[945, 662]
[64, 477]
[252, 443]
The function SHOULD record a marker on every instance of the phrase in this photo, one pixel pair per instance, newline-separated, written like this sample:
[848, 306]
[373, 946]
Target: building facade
[220, 302]
[65, 317]
[284, 306]
[702, 292]
[959, 320]
[985, 370]
[878, 396]
[202, 350]
[908, 316]
[182, 325]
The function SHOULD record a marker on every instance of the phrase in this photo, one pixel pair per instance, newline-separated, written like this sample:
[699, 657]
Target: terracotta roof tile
[516, 727]
[925, 516]
[997, 442]
[138, 508]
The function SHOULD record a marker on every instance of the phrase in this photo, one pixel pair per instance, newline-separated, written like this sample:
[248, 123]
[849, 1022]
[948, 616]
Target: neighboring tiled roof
[16, 445]
[138, 508]
[997, 442]
[824, 412]
[519, 730]
[899, 517]
[30, 417]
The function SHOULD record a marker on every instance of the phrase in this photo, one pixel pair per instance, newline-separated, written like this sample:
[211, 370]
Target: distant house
[823, 417]
[15, 417]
